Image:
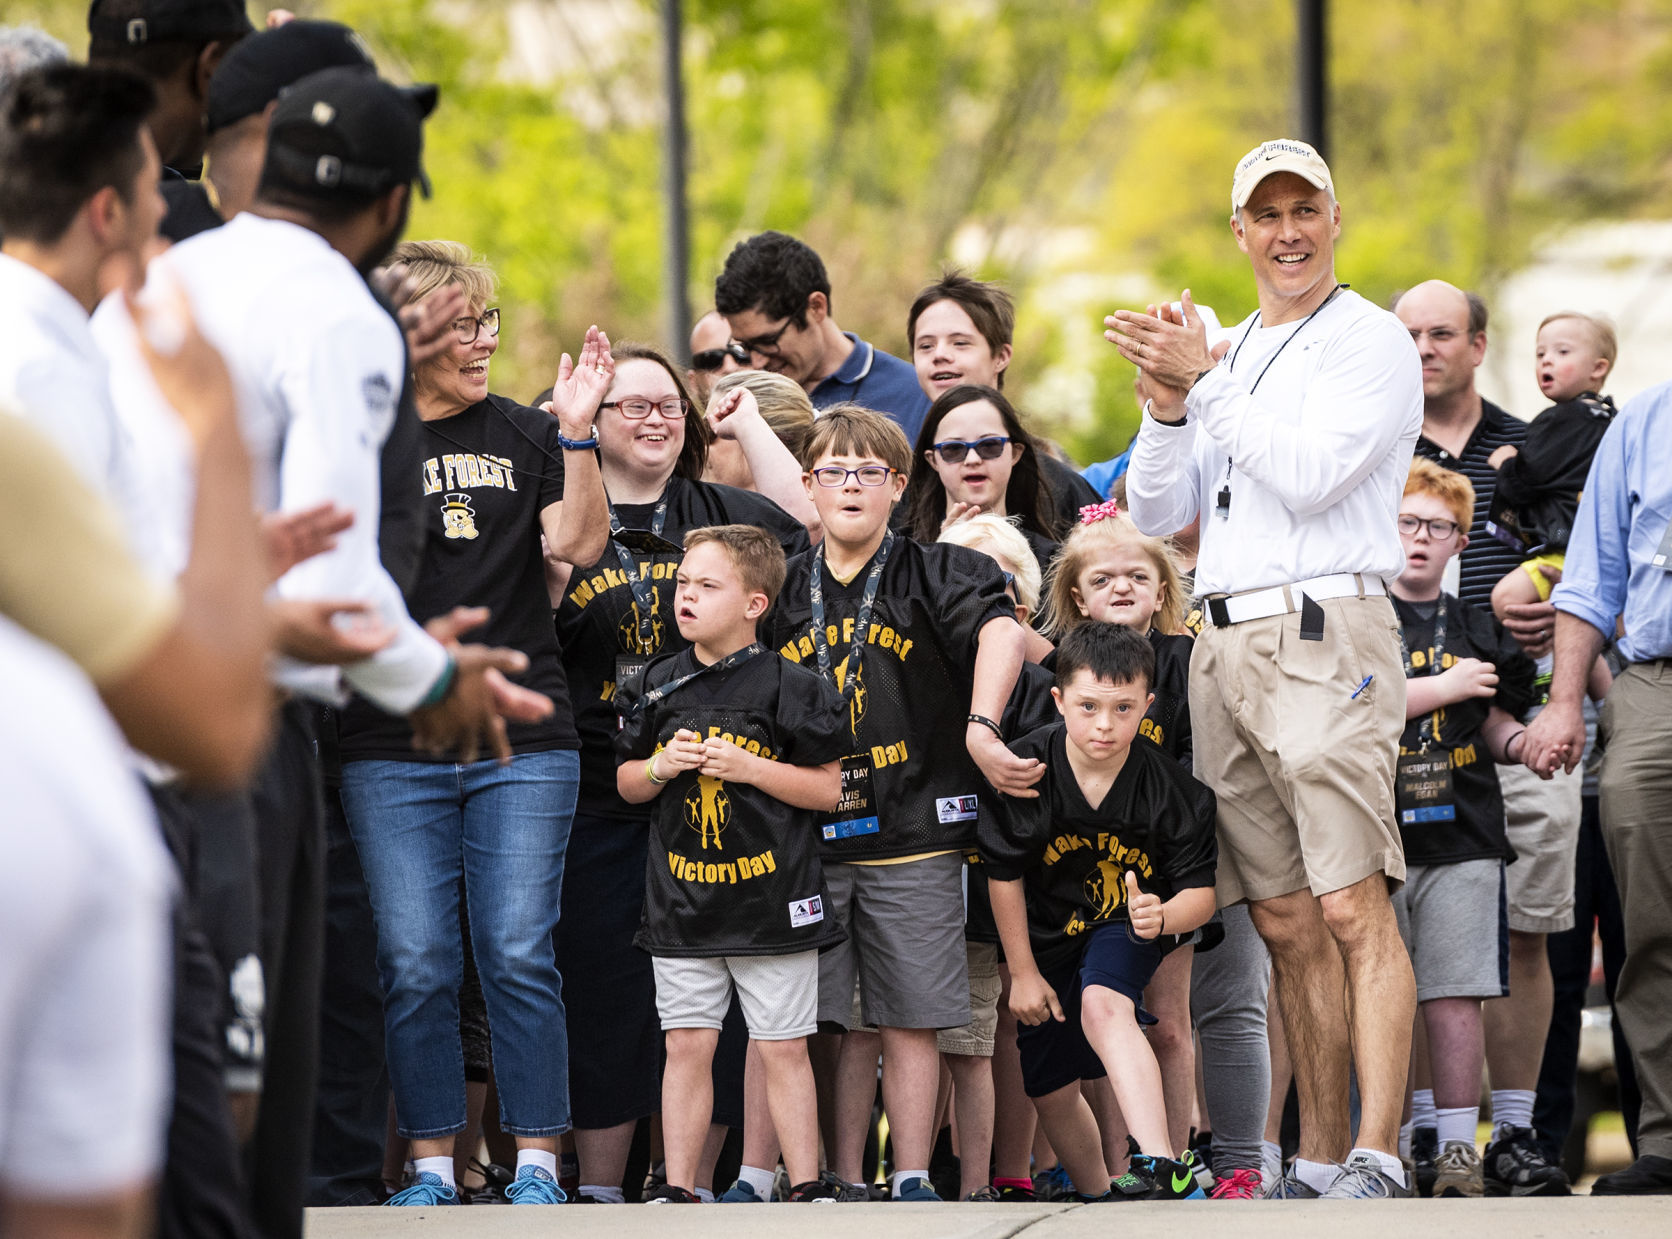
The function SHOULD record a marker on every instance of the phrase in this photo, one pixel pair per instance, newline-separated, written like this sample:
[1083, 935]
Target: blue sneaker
[534, 1186]
[431, 1189]
[741, 1193]
[916, 1189]
[1053, 1184]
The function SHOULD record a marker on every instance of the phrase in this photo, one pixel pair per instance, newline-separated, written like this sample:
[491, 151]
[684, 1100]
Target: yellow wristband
[650, 771]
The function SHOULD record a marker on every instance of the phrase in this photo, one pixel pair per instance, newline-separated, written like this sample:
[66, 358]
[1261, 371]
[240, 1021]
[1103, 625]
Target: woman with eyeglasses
[973, 455]
[497, 479]
[611, 618]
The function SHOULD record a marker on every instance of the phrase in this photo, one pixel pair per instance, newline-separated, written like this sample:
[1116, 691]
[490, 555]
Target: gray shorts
[1542, 822]
[905, 944]
[1454, 923]
[976, 1038]
[778, 993]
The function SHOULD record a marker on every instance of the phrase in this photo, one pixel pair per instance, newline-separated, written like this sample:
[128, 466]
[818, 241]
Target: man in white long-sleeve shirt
[1291, 439]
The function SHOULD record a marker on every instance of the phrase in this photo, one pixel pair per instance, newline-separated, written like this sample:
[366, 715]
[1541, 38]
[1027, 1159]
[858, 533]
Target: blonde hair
[851, 428]
[783, 403]
[1601, 331]
[1085, 541]
[1450, 488]
[1001, 533]
[432, 264]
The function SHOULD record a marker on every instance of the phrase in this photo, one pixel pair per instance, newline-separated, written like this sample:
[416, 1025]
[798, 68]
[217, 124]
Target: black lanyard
[735, 659]
[1425, 732]
[643, 595]
[867, 601]
[1223, 505]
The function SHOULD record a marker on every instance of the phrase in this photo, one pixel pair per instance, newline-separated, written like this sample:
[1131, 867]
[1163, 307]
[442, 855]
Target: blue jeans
[419, 826]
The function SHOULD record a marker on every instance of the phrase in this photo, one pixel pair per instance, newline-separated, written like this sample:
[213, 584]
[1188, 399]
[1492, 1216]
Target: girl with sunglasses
[973, 455]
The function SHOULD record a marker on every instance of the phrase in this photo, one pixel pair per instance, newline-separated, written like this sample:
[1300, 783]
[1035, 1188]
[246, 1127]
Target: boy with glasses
[923, 643]
[1467, 685]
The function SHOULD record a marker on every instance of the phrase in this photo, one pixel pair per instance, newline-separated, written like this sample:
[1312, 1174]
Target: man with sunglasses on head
[775, 294]
[714, 354]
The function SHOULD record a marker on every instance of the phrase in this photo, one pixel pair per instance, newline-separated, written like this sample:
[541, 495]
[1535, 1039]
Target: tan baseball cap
[1278, 155]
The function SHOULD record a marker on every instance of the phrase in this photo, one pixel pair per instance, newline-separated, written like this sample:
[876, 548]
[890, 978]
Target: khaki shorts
[1542, 821]
[779, 994]
[976, 1038]
[1302, 767]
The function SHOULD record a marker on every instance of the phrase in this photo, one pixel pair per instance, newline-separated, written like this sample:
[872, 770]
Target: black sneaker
[668, 1194]
[817, 1191]
[1053, 1184]
[1515, 1165]
[1010, 1194]
[1425, 1147]
[846, 1193]
[986, 1194]
[1647, 1176]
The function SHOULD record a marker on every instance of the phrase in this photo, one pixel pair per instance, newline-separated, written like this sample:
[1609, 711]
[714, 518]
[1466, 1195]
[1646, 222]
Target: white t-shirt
[318, 365]
[1315, 458]
[85, 896]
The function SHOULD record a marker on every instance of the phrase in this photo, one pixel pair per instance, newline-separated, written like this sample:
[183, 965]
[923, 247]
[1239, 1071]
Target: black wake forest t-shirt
[598, 622]
[486, 475]
[1072, 857]
[731, 869]
[1478, 831]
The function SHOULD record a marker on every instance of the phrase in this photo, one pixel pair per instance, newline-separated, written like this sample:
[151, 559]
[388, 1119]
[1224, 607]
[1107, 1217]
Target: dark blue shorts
[1054, 1054]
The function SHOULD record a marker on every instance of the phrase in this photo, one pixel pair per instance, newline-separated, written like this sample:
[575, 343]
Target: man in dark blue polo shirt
[775, 294]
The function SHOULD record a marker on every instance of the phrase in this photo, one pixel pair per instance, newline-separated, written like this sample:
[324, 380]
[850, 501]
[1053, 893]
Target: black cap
[139, 22]
[346, 131]
[254, 72]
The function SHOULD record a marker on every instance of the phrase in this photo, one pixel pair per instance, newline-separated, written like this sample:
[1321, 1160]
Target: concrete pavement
[1579, 1217]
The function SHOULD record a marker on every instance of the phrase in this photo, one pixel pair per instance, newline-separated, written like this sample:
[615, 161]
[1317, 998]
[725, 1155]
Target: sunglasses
[956, 451]
[714, 358]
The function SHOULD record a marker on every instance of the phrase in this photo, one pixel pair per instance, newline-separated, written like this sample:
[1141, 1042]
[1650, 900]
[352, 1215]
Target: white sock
[1271, 1161]
[900, 1176]
[1405, 1140]
[1316, 1175]
[1422, 1108]
[606, 1195]
[704, 1195]
[1511, 1107]
[540, 1158]
[763, 1181]
[1458, 1124]
[1390, 1164]
[442, 1167]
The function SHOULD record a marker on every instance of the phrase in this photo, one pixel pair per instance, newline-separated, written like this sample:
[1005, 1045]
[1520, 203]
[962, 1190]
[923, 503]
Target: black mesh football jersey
[1072, 857]
[732, 870]
[598, 621]
[908, 710]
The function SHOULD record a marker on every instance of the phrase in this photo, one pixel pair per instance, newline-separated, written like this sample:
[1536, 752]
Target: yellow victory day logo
[856, 706]
[708, 809]
[628, 630]
[457, 517]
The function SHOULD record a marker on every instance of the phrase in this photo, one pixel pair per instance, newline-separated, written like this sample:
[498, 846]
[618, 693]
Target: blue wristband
[577, 445]
[442, 686]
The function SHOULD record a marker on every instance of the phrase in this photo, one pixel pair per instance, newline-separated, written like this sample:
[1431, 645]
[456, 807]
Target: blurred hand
[480, 699]
[959, 512]
[327, 631]
[188, 370]
[427, 324]
[293, 537]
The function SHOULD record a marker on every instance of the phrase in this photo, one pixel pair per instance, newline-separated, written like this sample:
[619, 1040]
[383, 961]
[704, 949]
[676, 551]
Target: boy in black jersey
[1082, 939]
[924, 645]
[737, 747]
[1467, 685]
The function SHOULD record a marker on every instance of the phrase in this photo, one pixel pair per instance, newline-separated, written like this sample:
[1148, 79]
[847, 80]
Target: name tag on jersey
[1662, 558]
[855, 813]
[955, 809]
[1424, 789]
[806, 911]
[629, 669]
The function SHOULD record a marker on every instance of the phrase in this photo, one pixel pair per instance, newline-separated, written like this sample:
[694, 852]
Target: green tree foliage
[1079, 150]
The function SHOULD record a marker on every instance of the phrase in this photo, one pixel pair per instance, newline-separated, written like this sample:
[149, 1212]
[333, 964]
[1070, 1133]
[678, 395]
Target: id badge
[629, 670]
[1424, 788]
[1662, 558]
[643, 542]
[1505, 526]
[855, 814]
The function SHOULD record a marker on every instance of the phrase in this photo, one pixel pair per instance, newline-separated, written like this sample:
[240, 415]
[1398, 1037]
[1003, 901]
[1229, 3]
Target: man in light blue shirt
[1619, 568]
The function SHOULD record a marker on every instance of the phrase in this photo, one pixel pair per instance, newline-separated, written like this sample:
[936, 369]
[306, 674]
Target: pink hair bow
[1094, 512]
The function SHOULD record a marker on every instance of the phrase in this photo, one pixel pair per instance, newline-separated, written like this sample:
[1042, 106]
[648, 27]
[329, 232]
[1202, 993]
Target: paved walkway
[1578, 1217]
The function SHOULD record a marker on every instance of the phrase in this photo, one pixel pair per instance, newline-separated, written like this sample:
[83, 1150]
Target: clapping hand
[581, 386]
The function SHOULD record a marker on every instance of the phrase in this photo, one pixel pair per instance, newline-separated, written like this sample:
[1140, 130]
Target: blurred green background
[1079, 150]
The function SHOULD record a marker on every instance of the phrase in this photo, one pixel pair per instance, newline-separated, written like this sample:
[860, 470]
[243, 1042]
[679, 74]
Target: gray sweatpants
[1228, 987]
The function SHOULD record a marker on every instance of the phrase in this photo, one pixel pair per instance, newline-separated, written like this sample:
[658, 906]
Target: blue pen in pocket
[1363, 684]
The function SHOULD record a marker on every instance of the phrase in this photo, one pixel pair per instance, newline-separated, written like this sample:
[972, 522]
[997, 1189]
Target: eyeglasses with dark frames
[714, 358]
[766, 345]
[1438, 530]
[869, 475]
[469, 328]
[956, 451]
[637, 408]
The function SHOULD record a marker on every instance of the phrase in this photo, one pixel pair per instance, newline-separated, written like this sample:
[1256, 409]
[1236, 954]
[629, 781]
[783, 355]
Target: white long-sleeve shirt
[1315, 458]
[318, 364]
